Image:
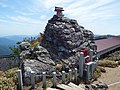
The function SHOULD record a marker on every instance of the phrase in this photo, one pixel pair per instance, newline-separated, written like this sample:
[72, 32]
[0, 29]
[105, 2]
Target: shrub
[96, 73]
[8, 79]
[102, 69]
[15, 51]
[108, 63]
[113, 58]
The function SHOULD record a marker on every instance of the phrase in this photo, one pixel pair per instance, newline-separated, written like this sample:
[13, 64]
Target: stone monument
[61, 44]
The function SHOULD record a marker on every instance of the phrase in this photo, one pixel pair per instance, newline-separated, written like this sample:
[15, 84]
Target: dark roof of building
[107, 43]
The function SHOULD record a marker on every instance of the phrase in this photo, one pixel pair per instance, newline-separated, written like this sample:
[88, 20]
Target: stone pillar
[91, 55]
[63, 77]
[54, 79]
[89, 70]
[33, 79]
[75, 75]
[70, 75]
[44, 79]
[20, 82]
[81, 64]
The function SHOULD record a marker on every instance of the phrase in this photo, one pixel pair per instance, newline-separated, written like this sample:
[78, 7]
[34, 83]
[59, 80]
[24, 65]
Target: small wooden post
[70, 75]
[44, 79]
[91, 55]
[81, 64]
[63, 77]
[75, 76]
[54, 79]
[33, 79]
[20, 82]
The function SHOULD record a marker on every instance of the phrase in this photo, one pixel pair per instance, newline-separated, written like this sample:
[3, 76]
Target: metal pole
[20, 82]
[81, 64]
[70, 75]
[63, 77]
[44, 79]
[54, 79]
[33, 79]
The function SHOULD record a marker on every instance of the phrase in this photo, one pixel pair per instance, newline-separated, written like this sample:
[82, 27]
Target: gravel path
[111, 76]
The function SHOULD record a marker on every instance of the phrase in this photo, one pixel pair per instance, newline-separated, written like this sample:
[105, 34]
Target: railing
[88, 67]
[99, 54]
[54, 80]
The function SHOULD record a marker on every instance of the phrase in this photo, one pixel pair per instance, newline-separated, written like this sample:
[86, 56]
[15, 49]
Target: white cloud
[82, 10]
[2, 20]
[23, 19]
[86, 12]
[24, 13]
[52, 3]
[3, 5]
[43, 17]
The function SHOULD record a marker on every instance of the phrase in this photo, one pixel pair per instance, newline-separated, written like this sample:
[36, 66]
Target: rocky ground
[111, 76]
[112, 67]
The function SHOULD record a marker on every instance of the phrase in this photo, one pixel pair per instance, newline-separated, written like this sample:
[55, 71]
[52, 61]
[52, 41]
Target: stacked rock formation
[64, 38]
[61, 44]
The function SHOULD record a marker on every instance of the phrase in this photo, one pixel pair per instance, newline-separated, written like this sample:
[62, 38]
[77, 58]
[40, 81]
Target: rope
[113, 84]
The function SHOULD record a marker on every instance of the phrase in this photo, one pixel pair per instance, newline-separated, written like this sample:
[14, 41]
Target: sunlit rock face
[64, 38]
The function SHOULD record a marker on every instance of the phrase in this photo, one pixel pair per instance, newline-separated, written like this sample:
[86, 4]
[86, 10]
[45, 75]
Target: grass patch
[97, 73]
[113, 58]
[108, 63]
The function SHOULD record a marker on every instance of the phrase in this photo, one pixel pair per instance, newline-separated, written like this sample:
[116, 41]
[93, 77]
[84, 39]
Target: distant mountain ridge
[18, 37]
[10, 41]
[4, 46]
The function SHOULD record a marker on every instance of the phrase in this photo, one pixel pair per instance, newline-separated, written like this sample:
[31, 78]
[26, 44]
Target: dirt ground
[111, 77]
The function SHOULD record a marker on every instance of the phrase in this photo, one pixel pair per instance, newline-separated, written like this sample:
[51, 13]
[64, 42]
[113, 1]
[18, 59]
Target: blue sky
[29, 17]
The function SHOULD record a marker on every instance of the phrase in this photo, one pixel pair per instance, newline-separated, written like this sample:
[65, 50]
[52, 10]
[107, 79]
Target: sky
[29, 17]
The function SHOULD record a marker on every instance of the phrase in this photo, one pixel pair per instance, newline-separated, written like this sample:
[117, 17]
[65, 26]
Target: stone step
[52, 89]
[65, 87]
[75, 87]
[70, 86]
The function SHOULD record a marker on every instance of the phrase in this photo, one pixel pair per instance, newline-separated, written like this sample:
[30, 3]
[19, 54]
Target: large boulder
[24, 45]
[37, 67]
[35, 59]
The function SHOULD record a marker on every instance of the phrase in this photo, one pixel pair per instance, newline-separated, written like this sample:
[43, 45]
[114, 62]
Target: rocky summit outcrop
[35, 59]
[59, 46]
[64, 38]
